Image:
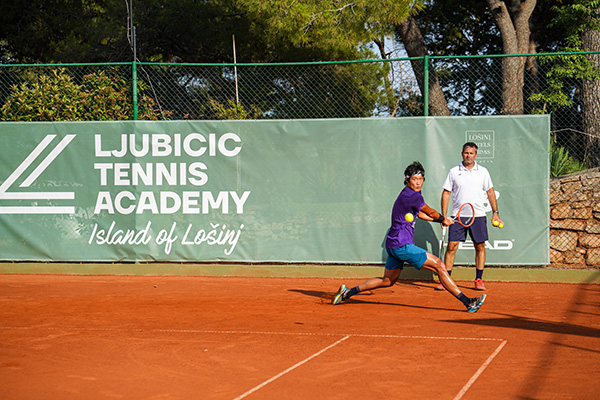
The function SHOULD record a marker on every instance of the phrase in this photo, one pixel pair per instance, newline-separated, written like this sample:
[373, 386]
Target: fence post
[135, 94]
[426, 86]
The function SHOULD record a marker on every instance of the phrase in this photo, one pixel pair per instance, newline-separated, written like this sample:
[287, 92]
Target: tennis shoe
[476, 303]
[479, 284]
[340, 295]
[440, 287]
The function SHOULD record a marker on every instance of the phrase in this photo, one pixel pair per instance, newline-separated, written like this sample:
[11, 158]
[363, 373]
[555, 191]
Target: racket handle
[441, 248]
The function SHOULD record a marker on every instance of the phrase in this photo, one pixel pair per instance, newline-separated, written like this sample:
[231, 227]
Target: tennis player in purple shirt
[401, 248]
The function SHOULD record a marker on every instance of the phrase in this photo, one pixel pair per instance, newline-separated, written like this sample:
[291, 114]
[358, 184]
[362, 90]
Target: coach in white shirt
[469, 182]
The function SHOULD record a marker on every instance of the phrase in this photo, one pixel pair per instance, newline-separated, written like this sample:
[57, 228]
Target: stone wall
[575, 220]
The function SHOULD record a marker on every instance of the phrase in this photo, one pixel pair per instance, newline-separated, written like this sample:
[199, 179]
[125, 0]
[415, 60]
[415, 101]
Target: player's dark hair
[470, 144]
[416, 168]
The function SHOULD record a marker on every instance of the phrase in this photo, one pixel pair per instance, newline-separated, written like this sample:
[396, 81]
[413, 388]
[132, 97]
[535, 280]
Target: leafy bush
[56, 97]
[232, 110]
[561, 163]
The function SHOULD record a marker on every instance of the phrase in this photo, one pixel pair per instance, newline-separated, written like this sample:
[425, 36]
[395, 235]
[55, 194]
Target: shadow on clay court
[587, 313]
[528, 324]
[432, 284]
[428, 284]
[533, 385]
[313, 293]
[327, 296]
[574, 347]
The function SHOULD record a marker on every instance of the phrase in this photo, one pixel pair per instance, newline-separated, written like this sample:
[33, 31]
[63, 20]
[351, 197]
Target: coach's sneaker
[340, 295]
[479, 284]
[475, 303]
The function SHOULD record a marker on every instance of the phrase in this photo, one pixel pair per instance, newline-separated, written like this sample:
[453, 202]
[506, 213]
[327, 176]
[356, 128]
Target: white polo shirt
[468, 186]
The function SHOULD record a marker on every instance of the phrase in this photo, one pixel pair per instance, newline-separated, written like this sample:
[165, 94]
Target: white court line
[78, 328]
[458, 396]
[254, 389]
[479, 372]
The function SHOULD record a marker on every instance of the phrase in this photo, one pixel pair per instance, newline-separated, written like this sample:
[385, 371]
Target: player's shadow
[424, 238]
[313, 293]
[361, 299]
[357, 300]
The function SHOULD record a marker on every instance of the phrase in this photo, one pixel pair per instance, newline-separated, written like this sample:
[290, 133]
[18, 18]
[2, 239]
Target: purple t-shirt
[402, 232]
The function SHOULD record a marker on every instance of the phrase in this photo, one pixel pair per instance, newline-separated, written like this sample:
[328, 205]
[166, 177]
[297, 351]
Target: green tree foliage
[464, 27]
[231, 110]
[335, 27]
[202, 31]
[194, 31]
[55, 31]
[459, 27]
[571, 81]
[557, 92]
[312, 30]
[573, 19]
[57, 97]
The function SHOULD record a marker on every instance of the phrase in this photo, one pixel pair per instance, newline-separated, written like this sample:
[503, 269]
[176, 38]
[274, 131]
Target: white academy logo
[4, 195]
[485, 200]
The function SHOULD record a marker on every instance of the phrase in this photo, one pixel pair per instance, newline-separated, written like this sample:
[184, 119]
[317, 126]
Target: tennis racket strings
[466, 214]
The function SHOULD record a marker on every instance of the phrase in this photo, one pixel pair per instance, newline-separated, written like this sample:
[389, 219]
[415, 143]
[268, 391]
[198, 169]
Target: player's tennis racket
[443, 242]
[466, 215]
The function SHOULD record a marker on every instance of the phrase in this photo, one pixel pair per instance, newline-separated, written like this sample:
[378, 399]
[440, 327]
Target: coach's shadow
[530, 324]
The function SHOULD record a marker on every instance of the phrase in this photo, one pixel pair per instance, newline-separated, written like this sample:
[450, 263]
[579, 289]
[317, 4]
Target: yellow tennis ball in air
[501, 225]
[409, 217]
[495, 223]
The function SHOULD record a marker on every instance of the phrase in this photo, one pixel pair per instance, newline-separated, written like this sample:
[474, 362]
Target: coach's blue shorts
[478, 231]
[410, 253]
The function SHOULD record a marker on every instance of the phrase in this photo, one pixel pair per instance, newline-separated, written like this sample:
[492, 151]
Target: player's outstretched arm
[429, 214]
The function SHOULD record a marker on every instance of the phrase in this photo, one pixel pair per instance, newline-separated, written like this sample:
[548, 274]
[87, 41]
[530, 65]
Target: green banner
[257, 191]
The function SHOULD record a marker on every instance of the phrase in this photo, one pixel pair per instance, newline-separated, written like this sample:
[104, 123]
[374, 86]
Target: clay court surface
[116, 337]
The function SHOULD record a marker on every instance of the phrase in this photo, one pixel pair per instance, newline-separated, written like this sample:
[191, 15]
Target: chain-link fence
[466, 85]
[561, 84]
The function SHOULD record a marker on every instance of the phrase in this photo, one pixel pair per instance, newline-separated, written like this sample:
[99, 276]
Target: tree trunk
[590, 100]
[415, 47]
[515, 33]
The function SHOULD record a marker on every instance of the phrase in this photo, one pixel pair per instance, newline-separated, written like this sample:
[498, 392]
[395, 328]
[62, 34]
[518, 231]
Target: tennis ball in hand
[501, 225]
[495, 223]
[409, 217]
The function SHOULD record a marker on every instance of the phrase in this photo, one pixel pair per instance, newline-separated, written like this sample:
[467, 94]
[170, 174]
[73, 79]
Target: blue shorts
[478, 231]
[410, 253]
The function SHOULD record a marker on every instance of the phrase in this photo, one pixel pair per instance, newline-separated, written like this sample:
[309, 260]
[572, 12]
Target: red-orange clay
[127, 337]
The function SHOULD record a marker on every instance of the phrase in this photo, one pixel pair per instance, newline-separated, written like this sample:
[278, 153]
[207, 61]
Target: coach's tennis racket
[466, 215]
